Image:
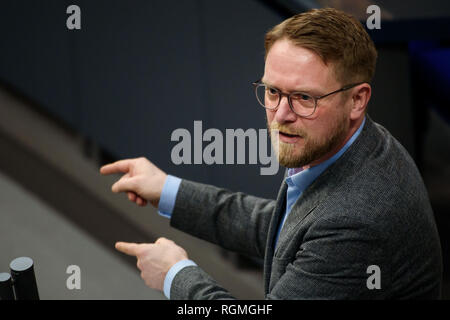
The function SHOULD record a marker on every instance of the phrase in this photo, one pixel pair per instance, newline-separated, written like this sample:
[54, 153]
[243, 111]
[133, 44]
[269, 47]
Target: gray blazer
[368, 208]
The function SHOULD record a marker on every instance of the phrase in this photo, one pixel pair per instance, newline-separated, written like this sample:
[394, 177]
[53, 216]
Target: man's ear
[360, 97]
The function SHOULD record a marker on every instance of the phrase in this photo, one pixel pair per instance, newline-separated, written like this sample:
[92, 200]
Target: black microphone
[24, 280]
[6, 287]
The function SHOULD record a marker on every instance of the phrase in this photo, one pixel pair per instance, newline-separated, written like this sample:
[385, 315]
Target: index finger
[116, 167]
[131, 249]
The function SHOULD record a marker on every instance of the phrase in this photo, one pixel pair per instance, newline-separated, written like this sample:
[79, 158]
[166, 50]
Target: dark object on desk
[6, 287]
[21, 283]
[24, 281]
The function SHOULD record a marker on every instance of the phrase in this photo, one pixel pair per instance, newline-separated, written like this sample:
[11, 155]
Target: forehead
[290, 67]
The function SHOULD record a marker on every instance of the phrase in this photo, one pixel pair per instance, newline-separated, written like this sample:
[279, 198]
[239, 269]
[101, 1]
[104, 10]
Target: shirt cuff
[173, 272]
[168, 196]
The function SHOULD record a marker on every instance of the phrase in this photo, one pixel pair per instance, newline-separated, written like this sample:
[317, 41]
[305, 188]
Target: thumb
[126, 183]
[131, 249]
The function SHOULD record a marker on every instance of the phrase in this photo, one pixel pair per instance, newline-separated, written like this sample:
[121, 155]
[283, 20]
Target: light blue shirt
[298, 180]
[168, 196]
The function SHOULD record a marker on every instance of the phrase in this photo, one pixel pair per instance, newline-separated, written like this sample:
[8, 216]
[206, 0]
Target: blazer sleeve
[233, 220]
[193, 283]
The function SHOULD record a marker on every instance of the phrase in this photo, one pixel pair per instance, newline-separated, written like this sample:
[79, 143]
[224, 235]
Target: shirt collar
[302, 178]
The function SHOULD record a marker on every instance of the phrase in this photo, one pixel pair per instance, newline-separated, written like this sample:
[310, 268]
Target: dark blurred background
[72, 100]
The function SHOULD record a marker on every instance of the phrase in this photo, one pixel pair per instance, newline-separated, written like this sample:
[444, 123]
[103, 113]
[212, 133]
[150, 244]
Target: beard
[291, 155]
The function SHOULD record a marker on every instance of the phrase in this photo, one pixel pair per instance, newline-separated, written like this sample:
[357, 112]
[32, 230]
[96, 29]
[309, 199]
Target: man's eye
[272, 91]
[302, 96]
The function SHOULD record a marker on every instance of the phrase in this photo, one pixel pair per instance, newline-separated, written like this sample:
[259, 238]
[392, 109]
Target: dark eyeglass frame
[281, 94]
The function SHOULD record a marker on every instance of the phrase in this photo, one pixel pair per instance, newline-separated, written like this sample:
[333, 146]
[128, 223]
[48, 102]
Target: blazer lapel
[301, 208]
[276, 216]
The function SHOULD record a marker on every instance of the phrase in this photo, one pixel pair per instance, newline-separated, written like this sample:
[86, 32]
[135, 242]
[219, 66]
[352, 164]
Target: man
[352, 218]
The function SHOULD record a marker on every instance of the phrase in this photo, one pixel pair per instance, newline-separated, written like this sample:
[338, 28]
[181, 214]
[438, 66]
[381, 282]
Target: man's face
[311, 140]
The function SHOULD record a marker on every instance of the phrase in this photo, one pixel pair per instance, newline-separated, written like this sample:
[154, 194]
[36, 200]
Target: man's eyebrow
[307, 90]
[269, 84]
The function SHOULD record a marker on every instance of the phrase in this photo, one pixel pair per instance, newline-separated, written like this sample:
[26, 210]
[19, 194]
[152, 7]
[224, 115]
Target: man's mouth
[289, 137]
[289, 134]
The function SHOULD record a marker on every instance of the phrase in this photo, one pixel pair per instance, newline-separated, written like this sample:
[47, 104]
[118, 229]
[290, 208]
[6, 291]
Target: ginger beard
[310, 148]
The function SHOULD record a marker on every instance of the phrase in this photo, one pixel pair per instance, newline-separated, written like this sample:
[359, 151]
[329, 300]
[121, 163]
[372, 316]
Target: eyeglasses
[302, 104]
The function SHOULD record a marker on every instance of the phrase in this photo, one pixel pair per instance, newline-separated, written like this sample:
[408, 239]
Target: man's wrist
[173, 271]
[168, 196]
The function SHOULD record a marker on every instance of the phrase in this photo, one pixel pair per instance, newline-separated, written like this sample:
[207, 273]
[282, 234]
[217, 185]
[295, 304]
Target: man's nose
[284, 113]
